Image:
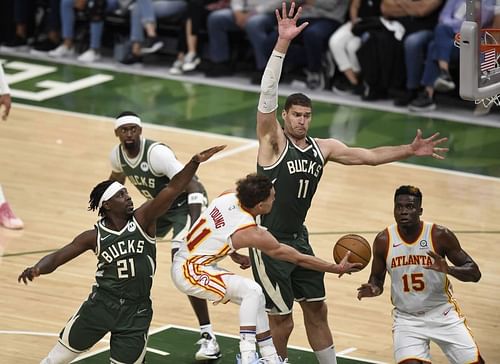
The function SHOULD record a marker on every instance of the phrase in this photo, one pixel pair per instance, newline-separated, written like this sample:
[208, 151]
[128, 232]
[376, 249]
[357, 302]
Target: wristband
[196, 197]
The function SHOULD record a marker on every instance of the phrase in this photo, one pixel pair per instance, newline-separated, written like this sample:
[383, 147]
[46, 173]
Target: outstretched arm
[269, 132]
[337, 151]
[147, 214]
[261, 239]
[83, 242]
[5, 100]
[375, 285]
[464, 268]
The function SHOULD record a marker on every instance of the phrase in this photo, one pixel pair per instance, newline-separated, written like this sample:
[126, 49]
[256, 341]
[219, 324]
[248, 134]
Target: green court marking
[221, 110]
[180, 346]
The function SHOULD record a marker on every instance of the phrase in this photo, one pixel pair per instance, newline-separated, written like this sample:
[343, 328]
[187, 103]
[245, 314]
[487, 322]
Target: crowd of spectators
[398, 49]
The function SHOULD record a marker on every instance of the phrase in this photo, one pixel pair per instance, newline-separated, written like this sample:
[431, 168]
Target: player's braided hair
[409, 190]
[96, 195]
[297, 99]
[253, 189]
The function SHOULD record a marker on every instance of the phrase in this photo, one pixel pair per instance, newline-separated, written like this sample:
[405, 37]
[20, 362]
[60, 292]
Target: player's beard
[131, 146]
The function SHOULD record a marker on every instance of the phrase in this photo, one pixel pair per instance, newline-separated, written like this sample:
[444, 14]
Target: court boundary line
[324, 96]
[156, 330]
[108, 119]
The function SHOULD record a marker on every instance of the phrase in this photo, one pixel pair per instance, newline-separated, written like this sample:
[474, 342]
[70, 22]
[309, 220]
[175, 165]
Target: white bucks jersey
[415, 289]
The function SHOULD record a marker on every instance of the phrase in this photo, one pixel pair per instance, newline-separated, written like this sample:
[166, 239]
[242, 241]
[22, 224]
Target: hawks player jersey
[295, 176]
[142, 176]
[413, 288]
[126, 261]
[209, 240]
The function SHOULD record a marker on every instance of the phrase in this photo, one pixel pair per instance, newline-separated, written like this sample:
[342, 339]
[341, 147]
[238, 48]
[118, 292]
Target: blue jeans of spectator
[442, 48]
[96, 27]
[415, 45]
[147, 11]
[221, 22]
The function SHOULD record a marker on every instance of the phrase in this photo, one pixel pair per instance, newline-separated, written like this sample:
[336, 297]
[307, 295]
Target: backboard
[479, 65]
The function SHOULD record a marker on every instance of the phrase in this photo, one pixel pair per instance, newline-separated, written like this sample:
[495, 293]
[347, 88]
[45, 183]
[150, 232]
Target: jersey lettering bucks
[295, 175]
[140, 174]
[126, 261]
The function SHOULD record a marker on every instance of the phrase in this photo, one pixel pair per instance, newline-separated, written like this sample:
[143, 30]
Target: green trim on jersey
[141, 175]
[295, 176]
[126, 261]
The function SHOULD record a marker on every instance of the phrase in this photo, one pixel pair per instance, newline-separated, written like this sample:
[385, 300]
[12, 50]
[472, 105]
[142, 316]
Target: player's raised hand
[428, 146]
[287, 22]
[439, 264]
[368, 290]
[28, 274]
[207, 154]
[347, 267]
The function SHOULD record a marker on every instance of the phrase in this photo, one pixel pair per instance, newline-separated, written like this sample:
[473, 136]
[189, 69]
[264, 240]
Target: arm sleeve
[163, 161]
[4, 87]
[114, 159]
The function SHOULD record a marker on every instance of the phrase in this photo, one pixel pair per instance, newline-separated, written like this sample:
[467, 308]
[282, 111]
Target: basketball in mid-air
[359, 247]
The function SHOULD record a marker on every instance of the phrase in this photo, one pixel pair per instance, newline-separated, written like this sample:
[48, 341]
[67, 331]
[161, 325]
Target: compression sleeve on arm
[114, 159]
[268, 101]
[163, 161]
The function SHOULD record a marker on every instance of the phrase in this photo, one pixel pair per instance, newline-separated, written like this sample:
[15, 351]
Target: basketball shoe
[8, 219]
[248, 357]
[209, 348]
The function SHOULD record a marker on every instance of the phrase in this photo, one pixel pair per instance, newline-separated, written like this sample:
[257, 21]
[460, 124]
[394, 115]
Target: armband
[196, 197]
[268, 100]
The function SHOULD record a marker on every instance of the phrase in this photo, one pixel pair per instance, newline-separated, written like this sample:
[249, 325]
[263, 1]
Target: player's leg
[453, 336]
[85, 328]
[129, 335]
[209, 348]
[318, 332]
[411, 342]
[274, 278]
[254, 324]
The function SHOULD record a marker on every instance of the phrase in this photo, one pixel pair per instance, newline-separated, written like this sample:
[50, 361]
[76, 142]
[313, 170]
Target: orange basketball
[359, 247]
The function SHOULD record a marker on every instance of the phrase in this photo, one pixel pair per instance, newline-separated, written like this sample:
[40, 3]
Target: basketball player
[7, 217]
[125, 244]
[294, 161]
[414, 253]
[150, 166]
[228, 224]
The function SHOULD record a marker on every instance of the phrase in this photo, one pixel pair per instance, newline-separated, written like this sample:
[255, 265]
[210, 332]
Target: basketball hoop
[490, 43]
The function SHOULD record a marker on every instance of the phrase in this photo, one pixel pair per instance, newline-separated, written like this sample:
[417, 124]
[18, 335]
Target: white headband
[110, 192]
[127, 119]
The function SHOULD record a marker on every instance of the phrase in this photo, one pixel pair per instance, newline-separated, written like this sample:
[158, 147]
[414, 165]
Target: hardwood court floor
[51, 160]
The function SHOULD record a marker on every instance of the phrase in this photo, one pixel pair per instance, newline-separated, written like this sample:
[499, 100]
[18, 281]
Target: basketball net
[488, 43]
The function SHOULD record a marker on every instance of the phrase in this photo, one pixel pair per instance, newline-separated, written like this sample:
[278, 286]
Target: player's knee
[59, 355]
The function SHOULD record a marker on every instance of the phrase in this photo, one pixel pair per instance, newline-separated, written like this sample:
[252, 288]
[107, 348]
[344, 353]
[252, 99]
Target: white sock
[266, 346]
[2, 196]
[207, 329]
[326, 356]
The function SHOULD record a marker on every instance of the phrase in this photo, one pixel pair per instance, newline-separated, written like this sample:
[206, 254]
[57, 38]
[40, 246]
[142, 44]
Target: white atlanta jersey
[415, 289]
[209, 240]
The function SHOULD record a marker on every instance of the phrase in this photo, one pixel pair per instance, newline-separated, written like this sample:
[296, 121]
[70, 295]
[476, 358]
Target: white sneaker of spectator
[176, 68]
[8, 219]
[89, 56]
[62, 51]
[190, 62]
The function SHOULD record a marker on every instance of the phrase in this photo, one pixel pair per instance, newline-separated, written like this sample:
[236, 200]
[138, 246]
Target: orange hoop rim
[482, 47]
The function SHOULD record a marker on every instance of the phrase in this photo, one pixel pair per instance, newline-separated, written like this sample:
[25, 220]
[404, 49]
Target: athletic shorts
[177, 220]
[101, 313]
[444, 325]
[284, 282]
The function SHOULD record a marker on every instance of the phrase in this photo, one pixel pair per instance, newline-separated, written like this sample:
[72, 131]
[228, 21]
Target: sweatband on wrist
[268, 100]
[127, 119]
[110, 192]
[196, 197]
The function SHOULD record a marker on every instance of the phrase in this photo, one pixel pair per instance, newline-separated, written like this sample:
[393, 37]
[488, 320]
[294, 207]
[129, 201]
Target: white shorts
[444, 325]
[202, 281]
